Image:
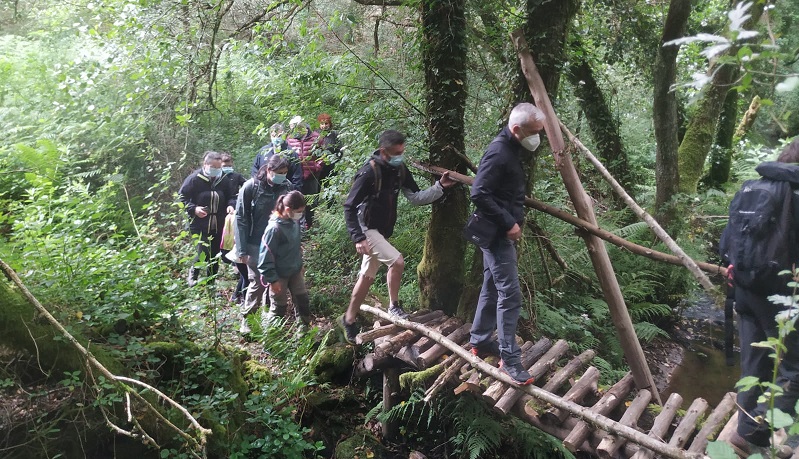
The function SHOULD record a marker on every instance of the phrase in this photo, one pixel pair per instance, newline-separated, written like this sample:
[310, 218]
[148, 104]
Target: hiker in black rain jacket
[757, 322]
[371, 212]
[207, 198]
[279, 146]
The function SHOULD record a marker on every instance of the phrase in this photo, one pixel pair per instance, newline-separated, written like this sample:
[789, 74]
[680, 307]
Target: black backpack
[758, 239]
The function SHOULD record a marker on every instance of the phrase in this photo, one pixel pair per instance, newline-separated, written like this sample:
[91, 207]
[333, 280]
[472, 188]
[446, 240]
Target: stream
[703, 371]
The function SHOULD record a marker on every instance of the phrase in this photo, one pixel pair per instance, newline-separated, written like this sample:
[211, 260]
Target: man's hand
[276, 287]
[362, 247]
[200, 212]
[231, 209]
[515, 233]
[445, 180]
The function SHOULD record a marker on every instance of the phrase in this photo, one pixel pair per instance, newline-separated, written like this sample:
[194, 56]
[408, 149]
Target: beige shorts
[380, 252]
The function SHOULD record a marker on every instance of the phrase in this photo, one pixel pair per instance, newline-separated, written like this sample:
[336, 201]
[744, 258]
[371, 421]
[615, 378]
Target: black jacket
[498, 188]
[295, 165]
[363, 210]
[216, 194]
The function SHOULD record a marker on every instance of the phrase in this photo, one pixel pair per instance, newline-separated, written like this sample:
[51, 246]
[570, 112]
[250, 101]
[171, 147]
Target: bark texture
[701, 131]
[721, 152]
[441, 270]
[604, 126]
[665, 111]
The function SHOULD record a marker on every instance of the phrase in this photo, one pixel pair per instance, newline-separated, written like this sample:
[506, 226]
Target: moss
[417, 378]
[362, 445]
[334, 360]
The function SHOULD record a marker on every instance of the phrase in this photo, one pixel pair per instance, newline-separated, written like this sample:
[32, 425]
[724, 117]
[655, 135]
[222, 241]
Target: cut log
[451, 368]
[529, 356]
[587, 384]
[391, 387]
[661, 424]
[537, 371]
[429, 356]
[563, 375]
[385, 330]
[392, 344]
[411, 352]
[714, 423]
[609, 401]
[687, 424]
[611, 443]
[582, 413]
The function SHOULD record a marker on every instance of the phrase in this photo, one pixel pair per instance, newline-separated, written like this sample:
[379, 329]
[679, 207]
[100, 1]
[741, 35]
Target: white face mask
[531, 142]
[297, 216]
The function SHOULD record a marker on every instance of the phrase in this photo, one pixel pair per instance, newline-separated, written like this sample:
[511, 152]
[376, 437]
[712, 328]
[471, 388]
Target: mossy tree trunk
[604, 126]
[701, 131]
[665, 111]
[721, 153]
[444, 55]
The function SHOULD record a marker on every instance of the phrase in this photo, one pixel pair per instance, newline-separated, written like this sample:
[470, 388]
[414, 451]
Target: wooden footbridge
[564, 400]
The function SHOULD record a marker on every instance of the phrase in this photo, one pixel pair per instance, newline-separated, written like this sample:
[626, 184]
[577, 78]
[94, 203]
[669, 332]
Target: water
[703, 373]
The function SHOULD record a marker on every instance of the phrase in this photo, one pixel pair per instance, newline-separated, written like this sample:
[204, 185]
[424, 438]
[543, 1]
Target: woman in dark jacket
[257, 199]
[207, 198]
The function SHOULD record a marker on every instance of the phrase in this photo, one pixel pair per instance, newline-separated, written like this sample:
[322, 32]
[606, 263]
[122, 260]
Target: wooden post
[582, 205]
[390, 386]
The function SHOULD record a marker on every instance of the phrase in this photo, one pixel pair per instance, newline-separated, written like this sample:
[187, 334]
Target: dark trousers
[500, 300]
[756, 323]
[207, 251]
[243, 282]
[310, 188]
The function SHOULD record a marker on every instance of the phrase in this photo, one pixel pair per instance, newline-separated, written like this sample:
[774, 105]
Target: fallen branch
[584, 225]
[580, 412]
[643, 215]
[119, 380]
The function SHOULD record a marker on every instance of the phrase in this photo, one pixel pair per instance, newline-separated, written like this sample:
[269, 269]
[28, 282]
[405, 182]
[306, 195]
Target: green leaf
[720, 450]
[779, 419]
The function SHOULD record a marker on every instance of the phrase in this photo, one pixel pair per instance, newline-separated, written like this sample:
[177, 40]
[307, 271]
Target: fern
[633, 231]
[649, 311]
[647, 331]
[476, 431]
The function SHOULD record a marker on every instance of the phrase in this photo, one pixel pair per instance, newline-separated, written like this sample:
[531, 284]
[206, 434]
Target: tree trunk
[604, 126]
[701, 130]
[721, 153]
[444, 55]
[664, 111]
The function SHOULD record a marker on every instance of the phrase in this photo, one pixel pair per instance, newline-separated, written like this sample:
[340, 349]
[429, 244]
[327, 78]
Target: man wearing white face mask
[371, 211]
[498, 196]
[207, 198]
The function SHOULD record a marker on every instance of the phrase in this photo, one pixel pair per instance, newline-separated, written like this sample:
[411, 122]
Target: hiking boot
[517, 372]
[350, 330]
[486, 349]
[743, 448]
[395, 309]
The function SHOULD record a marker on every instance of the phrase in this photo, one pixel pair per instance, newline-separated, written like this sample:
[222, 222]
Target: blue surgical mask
[276, 141]
[277, 179]
[395, 161]
[227, 169]
[213, 172]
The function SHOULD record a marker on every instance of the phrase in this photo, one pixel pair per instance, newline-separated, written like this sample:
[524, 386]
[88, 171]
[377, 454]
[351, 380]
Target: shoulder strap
[378, 176]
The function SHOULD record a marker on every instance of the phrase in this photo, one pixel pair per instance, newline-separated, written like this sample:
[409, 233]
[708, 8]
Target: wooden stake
[714, 423]
[612, 398]
[661, 425]
[582, 205]
[611, 443]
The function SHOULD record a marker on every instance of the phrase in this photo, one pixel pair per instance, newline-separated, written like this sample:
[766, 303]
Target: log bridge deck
[564, 400]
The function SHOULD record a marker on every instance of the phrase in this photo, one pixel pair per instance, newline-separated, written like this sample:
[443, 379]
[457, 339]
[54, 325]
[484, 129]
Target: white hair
[524, 113]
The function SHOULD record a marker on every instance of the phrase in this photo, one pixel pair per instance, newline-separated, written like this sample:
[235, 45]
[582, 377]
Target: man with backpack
[371, 212]
[760, 240]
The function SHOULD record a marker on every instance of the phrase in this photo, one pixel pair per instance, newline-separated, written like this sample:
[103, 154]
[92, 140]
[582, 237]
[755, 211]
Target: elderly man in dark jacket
[371, 211]
[498, 196]
[207, 198]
